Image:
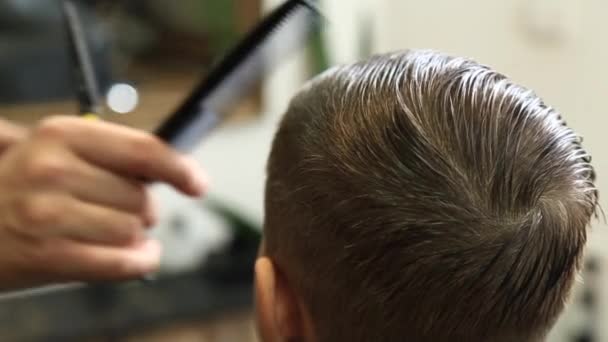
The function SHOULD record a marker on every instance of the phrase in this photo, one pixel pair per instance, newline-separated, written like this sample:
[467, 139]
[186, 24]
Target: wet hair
[417, 196]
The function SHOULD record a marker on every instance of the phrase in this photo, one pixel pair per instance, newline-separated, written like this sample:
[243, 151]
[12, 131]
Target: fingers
[82, 262]
[95, 185]
[55, 169]
[126, 151]
[96, 224]
[71, 208]
[60, 216]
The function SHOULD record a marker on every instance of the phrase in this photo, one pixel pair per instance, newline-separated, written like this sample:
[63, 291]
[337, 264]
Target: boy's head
[420, 197]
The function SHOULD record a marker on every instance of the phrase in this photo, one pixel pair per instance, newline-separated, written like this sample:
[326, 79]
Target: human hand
[10, 133]
[73, 206]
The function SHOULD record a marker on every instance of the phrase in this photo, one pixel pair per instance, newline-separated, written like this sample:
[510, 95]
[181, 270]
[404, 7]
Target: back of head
[421, 197]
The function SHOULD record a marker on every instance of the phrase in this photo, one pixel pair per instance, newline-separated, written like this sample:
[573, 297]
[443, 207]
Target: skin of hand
[10, 134]
[73, 206]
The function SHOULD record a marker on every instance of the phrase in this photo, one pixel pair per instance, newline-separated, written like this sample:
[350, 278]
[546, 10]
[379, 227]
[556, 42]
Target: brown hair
[422, 197]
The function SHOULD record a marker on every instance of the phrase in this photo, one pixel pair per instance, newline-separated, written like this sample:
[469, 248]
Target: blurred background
[162, 48]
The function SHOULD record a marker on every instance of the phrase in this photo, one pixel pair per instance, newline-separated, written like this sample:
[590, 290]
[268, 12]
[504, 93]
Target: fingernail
[151, 251]
[199, 184]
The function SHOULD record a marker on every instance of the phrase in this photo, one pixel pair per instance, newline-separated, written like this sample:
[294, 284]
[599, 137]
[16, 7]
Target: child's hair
[422, 197]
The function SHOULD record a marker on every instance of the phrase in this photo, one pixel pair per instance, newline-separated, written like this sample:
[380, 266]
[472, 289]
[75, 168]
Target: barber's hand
[10, 133]
[73, 206]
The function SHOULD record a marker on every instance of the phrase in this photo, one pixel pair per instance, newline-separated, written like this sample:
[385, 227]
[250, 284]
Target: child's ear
[277, 307]
[264, 299]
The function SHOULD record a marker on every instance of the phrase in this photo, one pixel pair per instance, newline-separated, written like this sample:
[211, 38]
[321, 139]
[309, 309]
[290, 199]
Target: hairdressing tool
[283, 31]
[89, 98]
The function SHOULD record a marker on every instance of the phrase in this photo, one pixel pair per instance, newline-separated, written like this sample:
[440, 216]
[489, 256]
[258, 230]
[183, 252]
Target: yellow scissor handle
[90, 116]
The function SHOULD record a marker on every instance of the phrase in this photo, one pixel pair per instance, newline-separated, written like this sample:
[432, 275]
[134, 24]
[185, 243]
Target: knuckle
[130, 231]
[45, 168]
[145, 144]
[141, 161]
[52, 127]
[145, 148]
[37, 210]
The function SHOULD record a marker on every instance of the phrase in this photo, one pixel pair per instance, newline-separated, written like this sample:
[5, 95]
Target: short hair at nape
[422, 197]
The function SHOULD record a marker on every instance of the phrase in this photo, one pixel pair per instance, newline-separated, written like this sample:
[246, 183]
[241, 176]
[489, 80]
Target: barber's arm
[72, 203]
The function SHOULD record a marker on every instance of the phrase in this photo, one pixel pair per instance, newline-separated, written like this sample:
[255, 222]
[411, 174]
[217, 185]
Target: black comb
[283, 31]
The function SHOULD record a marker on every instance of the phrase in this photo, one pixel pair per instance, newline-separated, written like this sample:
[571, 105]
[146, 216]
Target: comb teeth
[238, 70]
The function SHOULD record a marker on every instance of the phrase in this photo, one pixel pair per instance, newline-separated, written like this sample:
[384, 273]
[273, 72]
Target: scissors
[88, 94]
